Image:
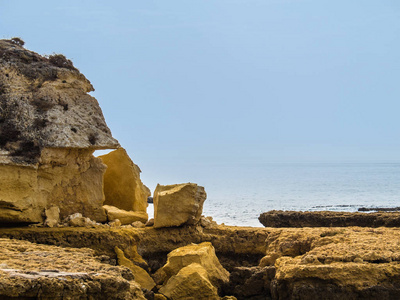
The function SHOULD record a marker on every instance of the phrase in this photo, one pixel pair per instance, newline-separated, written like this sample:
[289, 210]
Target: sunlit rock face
[122, 185]
[178, 204]
[49, 128]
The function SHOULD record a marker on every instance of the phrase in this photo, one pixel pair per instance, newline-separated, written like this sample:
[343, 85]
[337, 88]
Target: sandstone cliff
[49, 128]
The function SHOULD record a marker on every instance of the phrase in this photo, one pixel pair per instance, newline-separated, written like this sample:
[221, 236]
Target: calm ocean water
[237, 194]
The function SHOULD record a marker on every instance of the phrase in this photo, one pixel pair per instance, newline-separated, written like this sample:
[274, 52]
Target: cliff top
[44, 103]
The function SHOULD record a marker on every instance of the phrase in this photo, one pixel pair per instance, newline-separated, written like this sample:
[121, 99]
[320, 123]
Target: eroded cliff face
[49, 128]
[44, 103]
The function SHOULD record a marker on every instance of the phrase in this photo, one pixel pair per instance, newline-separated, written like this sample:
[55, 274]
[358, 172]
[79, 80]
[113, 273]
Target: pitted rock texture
[202, 254]
[31, 271]
[49, 128]
[44, 103]
[191, 282]
[70, 179]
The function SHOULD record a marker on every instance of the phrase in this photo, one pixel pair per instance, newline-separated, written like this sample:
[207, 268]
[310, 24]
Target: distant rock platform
[279, 218]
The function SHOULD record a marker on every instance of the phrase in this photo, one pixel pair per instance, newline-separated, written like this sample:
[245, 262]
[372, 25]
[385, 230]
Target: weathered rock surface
[310, 263]
[70, 179]
[49, 128]
[45, 104]
[235, 246]
[77, 220]
[250, 282]
[279, 218]
[122, 185]
[335, 263]
[31, 271]
[102, 240]
[179, 204]
[191, 282]
[140, 275]
[126, 217]
[202, 254]
[52, 216]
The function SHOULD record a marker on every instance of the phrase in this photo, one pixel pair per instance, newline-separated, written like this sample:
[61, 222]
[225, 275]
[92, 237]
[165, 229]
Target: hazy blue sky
[189, 82]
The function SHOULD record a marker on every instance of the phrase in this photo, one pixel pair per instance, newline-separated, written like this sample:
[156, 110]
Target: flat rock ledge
[264, 263]
[33, 271]
[279, 218]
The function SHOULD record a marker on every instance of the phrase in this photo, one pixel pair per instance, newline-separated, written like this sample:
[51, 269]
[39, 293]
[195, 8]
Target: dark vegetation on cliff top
[37, 69]
[31, 64]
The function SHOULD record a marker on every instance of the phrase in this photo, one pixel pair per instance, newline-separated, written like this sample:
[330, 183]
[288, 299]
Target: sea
[238, 193]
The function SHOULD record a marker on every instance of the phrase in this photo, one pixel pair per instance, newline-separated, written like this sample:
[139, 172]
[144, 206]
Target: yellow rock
[191, 282]
[268, 260]
[70, 179]
[19, 201]
[136, 257]
[179, 204]
[52, 216]
[122, 185]
[141, 276]
[159, 297]
[202, 254]
[126, 217]
[358, 275]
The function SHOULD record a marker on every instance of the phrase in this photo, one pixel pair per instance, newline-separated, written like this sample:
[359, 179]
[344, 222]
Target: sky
[183, 83]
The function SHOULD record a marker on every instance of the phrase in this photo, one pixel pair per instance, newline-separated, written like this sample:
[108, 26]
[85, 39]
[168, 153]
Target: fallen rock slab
[178, 204]
[126, 217]
[279, 218]
[122, 185]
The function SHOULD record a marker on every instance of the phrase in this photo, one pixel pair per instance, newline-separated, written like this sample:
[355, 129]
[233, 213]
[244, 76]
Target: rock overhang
[44, 103]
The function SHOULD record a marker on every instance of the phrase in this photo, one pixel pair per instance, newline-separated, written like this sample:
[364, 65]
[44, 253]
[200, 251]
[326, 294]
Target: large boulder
[49, 128]
[122, 185]
[191, 282]
[202, 254]
[178, 204]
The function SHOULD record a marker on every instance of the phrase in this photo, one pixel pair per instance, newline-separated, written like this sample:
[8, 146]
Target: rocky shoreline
[279, 218]
[263, 263]
[75, 226]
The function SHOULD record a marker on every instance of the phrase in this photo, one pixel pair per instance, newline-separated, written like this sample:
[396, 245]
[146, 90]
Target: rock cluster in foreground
[263, 263]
